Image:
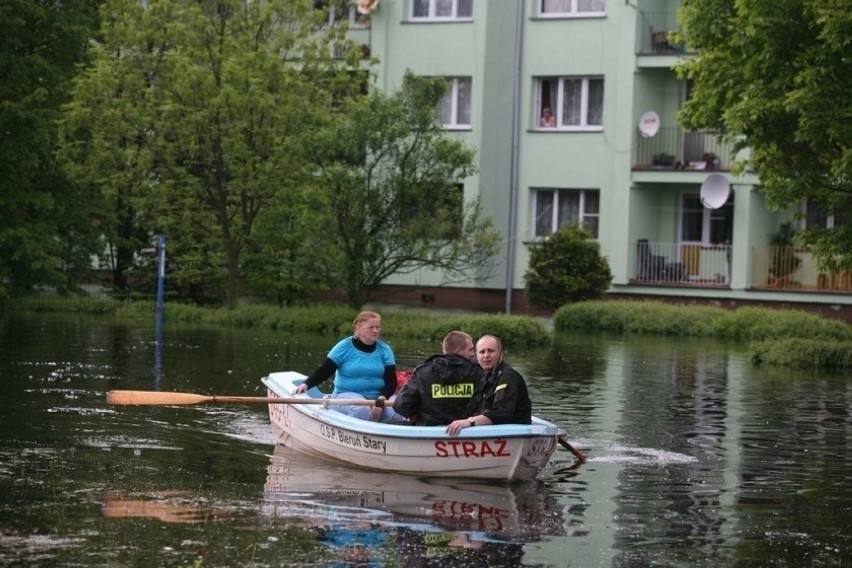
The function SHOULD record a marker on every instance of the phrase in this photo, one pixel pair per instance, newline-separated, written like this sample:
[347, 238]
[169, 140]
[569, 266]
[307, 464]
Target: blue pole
[158, 329]
[161, 275]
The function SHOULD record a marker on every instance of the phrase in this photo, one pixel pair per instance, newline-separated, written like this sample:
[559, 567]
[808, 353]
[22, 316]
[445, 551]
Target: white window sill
[569, 15]
[438, 20]
[567, 129]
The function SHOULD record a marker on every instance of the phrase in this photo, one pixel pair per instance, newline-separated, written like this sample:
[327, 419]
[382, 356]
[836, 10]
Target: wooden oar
[577, 453]
[153, 398]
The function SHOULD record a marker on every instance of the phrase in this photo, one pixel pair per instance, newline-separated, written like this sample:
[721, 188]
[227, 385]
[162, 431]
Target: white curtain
[556, 6]
[569, 207]
[572, 102]
[443, 8]
[543, 213]
[420, 8]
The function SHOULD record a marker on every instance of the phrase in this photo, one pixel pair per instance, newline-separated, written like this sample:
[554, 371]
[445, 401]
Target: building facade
[572, 108]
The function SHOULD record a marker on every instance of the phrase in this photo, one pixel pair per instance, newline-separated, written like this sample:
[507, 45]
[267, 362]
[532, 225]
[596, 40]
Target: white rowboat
[500, 452]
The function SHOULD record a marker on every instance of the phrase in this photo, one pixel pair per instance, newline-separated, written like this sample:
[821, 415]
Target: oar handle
[159, 398]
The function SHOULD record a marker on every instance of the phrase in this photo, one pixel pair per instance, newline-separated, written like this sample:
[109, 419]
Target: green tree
[192, 122]
[566, 267]
[777, 78]
[47, 231]
[292, 256]
[393, 182]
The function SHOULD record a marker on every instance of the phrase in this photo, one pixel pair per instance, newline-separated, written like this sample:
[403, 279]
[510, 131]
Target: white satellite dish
[649, 124]
[715, 191]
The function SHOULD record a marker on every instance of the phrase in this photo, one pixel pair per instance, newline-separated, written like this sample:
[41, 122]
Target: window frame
[431, 17]
[453, 90]
[557, 106]
[584, 216]
[724, 214]
[572, 12]
[814, 217]
[342, 11]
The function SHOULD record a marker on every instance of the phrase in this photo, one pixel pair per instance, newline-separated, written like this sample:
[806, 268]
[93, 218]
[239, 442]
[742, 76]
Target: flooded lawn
[697, 458]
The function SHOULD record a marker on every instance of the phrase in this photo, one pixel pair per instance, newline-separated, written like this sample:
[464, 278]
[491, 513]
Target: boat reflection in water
[366, 515]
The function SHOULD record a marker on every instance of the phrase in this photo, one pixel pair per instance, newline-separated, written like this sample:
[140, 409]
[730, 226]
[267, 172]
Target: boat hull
[500, 452]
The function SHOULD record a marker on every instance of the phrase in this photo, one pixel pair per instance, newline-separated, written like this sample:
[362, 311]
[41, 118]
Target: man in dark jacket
[502, 396]
[440, 388]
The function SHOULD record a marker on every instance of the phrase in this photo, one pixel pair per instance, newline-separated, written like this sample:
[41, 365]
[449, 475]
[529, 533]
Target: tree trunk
[233, 297]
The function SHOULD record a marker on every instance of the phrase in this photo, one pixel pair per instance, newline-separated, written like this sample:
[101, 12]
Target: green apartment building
[571, 106]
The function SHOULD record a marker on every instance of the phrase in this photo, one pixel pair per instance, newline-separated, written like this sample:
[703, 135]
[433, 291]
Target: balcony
[676, 149]
[787, 268]
[682, 264]
[655, 33]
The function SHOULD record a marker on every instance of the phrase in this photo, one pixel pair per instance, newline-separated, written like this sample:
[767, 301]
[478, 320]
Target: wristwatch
[471, 421]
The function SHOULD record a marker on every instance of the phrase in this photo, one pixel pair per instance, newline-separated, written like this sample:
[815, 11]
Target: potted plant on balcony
[784, 260]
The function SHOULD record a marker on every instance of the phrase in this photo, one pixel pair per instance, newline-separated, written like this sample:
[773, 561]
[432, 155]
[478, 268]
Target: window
[454, 109]
[576, 102]
[441, 9]
[816, 217]
[562, 8]
[555, 208]
[704, 226]
[342, 11]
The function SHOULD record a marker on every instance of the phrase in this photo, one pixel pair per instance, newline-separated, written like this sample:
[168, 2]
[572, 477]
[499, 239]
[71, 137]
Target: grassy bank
[789, 338]
[333, 319]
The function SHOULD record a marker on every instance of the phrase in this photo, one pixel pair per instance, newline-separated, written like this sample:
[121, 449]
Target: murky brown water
[697, 459]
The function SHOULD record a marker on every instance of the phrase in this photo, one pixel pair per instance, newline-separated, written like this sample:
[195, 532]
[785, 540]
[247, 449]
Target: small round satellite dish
[649, 124]
[715, 191]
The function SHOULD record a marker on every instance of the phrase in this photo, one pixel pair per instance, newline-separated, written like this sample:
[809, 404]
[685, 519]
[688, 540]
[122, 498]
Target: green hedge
[802, 353]
[650, 317]
[818, 341]
[640, 317]
[334, 319]
[515, 331]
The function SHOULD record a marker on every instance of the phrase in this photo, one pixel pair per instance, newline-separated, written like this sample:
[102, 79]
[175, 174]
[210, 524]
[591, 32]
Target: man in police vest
[441, 387]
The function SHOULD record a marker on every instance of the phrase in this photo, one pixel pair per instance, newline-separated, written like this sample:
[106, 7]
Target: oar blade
[153, 398]
[577, 453]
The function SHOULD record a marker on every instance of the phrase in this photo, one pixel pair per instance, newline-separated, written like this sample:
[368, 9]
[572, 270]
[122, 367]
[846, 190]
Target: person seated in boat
[501, 397]
[364, 367]
[441, 387]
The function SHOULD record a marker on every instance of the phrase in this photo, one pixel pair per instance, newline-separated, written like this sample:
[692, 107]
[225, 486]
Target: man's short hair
[455, 341]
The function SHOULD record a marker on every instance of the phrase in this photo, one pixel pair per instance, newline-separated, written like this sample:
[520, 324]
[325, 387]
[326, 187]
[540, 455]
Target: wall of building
[515, 157]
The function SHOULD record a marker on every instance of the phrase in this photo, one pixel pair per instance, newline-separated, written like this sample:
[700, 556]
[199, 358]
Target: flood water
[697, 458]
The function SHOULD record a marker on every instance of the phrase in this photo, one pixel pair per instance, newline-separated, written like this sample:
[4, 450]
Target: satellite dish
[649, 124]
[715, 191]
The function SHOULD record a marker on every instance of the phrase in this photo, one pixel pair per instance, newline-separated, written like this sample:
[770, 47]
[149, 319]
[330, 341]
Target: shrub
[802, 353]
[566, 267]
[81, 304]
[515, 331]
[752, 323]
[641, 317]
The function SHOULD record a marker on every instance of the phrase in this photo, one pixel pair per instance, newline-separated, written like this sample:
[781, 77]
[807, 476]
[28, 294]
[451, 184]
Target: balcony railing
[782, 268]
[793, 268]
[655, 34]
[674, 148]
[682, 264]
